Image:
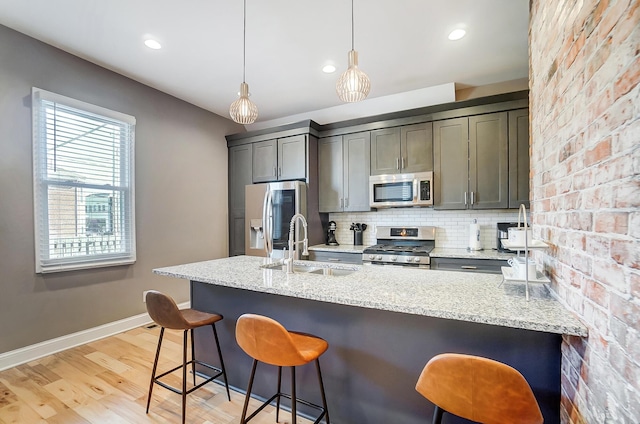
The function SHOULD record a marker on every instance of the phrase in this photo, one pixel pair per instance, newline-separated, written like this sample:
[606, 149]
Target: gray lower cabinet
[519, 158]
[280, 159]
[471, 162]
[335, 257]
[405, 149]
[240, 175]
[489, 266]
[343, 173]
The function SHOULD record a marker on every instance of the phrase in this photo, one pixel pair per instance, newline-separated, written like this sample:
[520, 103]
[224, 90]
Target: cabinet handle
[334, 260]
[346, 202]
[397, 163]
[402, 163]
[468, 267]
[279, 172]
[465, 198]
[341, 202]
[472, 198]
[275, 172]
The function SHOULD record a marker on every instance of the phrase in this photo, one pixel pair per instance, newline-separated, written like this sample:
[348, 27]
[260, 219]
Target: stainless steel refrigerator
[268, 213]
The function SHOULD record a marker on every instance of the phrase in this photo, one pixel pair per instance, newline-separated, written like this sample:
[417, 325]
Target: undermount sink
[311, 269]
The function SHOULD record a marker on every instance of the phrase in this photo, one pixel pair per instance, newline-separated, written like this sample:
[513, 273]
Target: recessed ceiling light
[152, 44]
[328, 69]
[457, 34]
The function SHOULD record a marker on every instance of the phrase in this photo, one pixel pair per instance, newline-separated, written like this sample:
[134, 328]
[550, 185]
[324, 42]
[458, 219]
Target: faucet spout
[292, 243]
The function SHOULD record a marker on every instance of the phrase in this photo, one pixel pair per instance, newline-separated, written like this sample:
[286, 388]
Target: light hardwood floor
[106, 382]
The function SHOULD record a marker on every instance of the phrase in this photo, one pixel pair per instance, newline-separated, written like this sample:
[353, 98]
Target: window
[83, 180]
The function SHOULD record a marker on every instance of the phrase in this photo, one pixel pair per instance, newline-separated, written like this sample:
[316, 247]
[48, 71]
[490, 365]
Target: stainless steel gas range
[402, 246]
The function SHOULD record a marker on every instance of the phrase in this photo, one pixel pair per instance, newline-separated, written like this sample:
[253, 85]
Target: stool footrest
[288, 396]
[218, 371]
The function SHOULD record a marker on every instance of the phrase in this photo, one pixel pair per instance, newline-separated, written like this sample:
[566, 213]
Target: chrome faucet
[289, 261]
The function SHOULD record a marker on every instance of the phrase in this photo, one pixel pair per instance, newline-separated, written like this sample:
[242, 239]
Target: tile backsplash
[452, 227]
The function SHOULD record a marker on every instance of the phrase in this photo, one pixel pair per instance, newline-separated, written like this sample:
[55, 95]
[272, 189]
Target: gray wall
[181, 195]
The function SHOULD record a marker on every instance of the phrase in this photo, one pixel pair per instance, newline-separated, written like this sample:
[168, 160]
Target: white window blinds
[83, 174]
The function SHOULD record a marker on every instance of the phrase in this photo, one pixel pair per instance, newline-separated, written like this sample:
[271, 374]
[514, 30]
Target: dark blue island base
[374, 357]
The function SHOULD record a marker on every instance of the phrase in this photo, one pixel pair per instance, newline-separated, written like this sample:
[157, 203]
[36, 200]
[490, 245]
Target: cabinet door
[240, 175]
[488, 161]
[265, 157]
[385, 151]
[356, 154]
[416, 148]
[292, 158]
[519, 158]
[330, 195]
[451, 167]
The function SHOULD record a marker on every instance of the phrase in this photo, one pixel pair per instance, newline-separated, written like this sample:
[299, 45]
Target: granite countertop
[444, 294]
[443, 252]
[343, 248]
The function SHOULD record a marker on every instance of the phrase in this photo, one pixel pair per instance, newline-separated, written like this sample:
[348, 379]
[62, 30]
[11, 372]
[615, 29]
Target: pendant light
[243, 110]
[353, 85]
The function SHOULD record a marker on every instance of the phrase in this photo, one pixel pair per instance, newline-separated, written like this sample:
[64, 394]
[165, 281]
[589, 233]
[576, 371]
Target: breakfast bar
[383, 324]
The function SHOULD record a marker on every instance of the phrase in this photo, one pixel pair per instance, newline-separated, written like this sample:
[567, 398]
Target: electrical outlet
[144, 295]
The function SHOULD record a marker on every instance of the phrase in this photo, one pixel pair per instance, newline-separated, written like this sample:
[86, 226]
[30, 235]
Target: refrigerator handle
[266, 221]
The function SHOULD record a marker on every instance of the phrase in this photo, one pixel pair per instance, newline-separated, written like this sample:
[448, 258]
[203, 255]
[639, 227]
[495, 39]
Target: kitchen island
[383, 324]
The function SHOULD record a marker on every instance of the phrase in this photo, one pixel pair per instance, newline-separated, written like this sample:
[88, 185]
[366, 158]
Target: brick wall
[585, 169]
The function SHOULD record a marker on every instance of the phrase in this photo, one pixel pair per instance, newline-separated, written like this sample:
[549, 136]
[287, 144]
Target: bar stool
[478, 389]
[266, 340]
[164, 312]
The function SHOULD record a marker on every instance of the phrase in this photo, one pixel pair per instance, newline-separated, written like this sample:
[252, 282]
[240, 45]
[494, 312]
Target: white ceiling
[402, 45]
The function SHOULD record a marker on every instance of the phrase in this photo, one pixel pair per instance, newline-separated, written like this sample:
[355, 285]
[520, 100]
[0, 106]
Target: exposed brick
[628, 80]
[611, 222]
[598, 198]
[596, 292]
[614, 169]
[581, 262]
[627, 24]
[634, 283]
[611, 17]
[626, 252]
[620, 113]
[633, 345]
[627, 194]
[599, 152]
[594, 63]
[598, 246]
[610, 274]
[626, 311]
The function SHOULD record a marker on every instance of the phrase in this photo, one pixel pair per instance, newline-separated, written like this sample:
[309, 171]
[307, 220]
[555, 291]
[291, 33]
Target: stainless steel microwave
[401, 190]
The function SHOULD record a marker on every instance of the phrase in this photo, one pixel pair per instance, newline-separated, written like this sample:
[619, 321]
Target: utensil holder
[357, 238]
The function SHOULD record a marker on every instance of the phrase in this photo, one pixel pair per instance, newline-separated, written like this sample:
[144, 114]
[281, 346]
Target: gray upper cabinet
[240, 175]
[519, 158]
[343, 173]
[281, 159]
[471, 162]
[404, 149]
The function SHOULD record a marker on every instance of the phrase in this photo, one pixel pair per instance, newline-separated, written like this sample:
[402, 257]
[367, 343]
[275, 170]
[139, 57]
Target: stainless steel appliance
[268, 211]
[503, 234]
[331, 234]
[401, 190]
[403, 246]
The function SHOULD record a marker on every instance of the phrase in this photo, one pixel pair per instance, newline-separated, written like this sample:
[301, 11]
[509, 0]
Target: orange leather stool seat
[266, 340]
[164, 312]
[478, 389]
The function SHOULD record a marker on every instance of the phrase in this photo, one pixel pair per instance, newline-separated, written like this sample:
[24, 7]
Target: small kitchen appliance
[401, 246]
[503, 234]
[331, 234]
[401, 190]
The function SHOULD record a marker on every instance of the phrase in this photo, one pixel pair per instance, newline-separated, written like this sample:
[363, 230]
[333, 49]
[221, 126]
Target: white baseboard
[29, 353]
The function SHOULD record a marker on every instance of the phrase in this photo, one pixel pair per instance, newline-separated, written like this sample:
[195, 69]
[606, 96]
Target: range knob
[416, 259]
[379, 257]
[372, 257]
[409, 259]
[393, 258]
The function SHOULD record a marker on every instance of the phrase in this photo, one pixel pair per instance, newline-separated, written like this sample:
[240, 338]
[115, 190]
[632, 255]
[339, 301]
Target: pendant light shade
[244, 111]
[353, 85]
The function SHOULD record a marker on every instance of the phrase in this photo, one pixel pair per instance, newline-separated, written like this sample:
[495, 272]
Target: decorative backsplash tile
[452, 227]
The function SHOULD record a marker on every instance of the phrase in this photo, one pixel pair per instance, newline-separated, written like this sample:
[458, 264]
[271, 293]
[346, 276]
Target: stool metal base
[183, 391]
[292, 397]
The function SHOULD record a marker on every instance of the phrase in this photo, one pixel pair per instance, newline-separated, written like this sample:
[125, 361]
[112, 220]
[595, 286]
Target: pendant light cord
[351, 25]
[244, 40]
